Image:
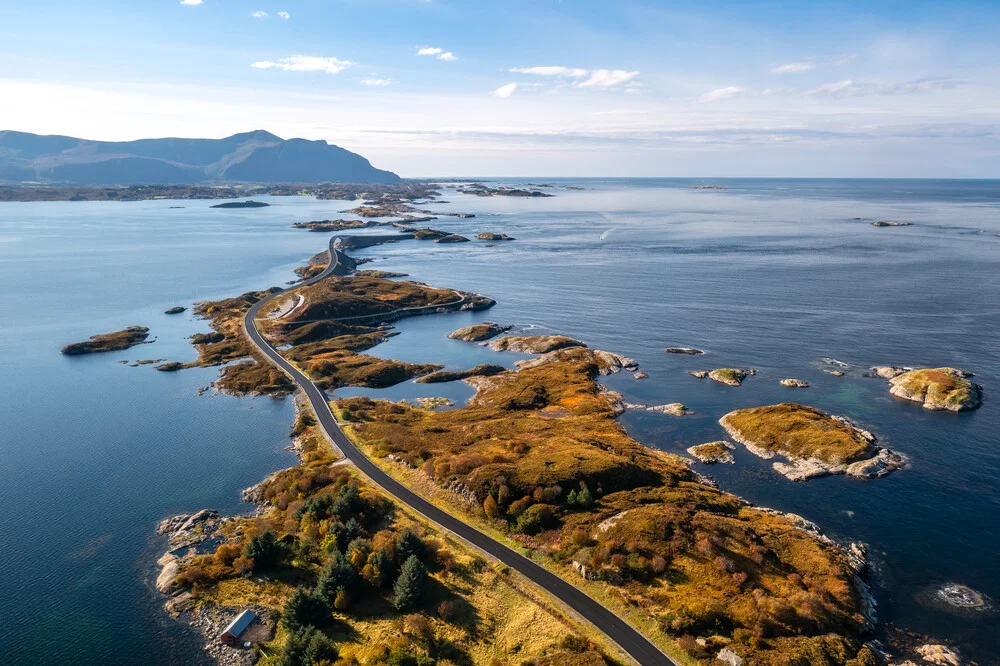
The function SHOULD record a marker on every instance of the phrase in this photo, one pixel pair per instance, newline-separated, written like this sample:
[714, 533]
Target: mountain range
[249, 157]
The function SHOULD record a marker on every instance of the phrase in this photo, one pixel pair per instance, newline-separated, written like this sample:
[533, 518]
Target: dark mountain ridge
[258, 157]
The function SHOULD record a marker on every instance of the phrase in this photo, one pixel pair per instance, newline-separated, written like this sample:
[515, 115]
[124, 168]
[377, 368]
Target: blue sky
[578, 88]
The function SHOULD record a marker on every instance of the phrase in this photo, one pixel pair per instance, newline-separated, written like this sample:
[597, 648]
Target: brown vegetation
[578, 490]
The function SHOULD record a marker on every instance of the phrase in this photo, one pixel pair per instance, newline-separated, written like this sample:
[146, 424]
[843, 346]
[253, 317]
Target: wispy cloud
[583, 78]
[301, 63]
[569, 72]
[284, 15]
[191, 3]
[376, 82]
[258, 14]
[849, 88]
[608, 78]
[505, 91]
[722, 93]
[438, 52]
[793, 68]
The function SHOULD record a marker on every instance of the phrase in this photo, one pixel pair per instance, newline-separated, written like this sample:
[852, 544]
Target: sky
[534, 88]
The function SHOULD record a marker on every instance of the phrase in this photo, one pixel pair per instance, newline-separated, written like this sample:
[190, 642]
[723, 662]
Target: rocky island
[815, 443]
[105, 342]
[728, 376]
[478, 332]
[713, 452]
[242, 204]
[939, 389]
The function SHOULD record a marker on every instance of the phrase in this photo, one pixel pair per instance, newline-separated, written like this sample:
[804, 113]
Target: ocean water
[770, 274]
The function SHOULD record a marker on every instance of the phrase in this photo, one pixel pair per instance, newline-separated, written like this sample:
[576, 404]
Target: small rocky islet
[489, 236]
[478, 332]
[814, 442]
[105, 342]
[711, 453]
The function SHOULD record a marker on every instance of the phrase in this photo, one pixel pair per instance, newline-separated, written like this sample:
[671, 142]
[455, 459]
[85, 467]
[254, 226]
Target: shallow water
[768, 274]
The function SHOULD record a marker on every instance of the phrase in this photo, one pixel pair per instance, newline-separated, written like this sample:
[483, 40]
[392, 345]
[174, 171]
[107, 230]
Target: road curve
[630, 640]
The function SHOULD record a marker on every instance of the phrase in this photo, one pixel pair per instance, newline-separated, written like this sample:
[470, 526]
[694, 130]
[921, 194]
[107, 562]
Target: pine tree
[409, 585]
[571, 499]
[338, 574]
[584, 498]
[266, 550]
[305, 609]
[407, 544]
[305, 647]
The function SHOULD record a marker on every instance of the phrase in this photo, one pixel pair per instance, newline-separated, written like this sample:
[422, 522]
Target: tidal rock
[673, 409]
[700, 374]
[795, 383]
[891, 223]
[835, 373]
[641, 375]
[452, 238]
[175, 310]
[886, 371]
[609, 363]
[876, 467]
[168, 574]
[803, 469]
[691, 351]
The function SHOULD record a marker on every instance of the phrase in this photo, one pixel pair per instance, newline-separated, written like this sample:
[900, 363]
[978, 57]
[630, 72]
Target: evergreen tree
[412, 578]
[348, 501]
[338, 574]
[266, 550]
[407, 544]
[306, 609]
[584, 498]
[571, 499]
[305, 647]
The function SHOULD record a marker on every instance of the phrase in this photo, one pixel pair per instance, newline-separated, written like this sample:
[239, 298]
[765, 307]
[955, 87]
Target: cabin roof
[240, 623]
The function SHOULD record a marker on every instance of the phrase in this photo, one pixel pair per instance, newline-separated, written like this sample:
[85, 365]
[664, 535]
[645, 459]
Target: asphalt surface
[630, 640]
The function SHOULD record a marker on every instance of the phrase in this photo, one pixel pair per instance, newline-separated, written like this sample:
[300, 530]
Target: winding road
[628, 639]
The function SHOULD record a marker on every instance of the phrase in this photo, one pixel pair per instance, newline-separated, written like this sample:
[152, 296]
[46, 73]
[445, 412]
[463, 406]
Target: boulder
[795, 383]
[940, 655]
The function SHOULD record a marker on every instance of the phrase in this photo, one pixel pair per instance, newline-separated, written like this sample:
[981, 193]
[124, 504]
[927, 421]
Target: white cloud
[793, 68]
[436, 51]
[191, 3]
[284, 15]
[376, 82]
[505, 91]
[258, 14]
[607, 78]
[831, 88]
[722, 93]
[593, 78]
[300, 63]
[570, 72]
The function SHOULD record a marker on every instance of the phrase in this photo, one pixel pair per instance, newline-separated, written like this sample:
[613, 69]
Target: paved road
[630, 640]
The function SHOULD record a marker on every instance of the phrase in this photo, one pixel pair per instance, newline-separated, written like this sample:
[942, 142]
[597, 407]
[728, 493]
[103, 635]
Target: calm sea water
[770, 274]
